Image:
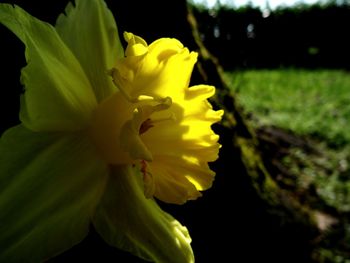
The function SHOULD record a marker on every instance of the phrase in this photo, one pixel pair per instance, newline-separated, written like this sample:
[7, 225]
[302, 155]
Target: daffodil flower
[103, 134]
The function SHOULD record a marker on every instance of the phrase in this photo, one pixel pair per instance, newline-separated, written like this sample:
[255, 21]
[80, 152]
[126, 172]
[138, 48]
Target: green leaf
[50, 184]
[58, 95]
[90, 31]
[129, 221]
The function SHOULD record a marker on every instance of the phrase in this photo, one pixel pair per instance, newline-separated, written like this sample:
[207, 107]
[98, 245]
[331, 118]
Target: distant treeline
[309, 36]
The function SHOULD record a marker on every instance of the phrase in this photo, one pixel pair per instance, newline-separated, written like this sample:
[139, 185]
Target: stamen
[130, 140]
[149, 185]
[121, 83]
[149, 123]
[145, 126]
[143, 168]
[172, 117]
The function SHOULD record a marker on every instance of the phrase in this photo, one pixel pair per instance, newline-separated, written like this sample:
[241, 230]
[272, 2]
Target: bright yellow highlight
[157, 122]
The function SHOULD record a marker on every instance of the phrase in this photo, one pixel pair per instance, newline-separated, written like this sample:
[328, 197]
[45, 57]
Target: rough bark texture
[283, 226]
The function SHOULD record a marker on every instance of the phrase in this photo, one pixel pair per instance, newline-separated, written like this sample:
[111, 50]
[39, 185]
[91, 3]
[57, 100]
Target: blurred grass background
[314, 104]
[308, 102]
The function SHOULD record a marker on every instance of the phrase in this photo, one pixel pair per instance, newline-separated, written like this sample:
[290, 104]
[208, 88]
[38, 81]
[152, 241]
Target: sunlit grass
[306, 102]
[312, 104]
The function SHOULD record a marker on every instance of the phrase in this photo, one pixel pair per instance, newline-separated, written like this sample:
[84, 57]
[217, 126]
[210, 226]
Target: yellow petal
[164, 48]
[137, 46]
[169, 77]
[182, 149]
[170, 181]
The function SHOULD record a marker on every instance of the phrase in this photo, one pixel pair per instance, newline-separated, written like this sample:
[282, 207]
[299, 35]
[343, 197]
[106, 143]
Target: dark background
[307, 36]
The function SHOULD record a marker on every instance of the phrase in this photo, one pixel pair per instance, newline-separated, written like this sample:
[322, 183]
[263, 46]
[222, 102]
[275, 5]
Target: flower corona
[155, 109]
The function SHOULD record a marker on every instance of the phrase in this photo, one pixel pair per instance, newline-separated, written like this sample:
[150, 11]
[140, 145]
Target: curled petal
[170, 183]
[137, 46]
[165, 73]
[182, 170]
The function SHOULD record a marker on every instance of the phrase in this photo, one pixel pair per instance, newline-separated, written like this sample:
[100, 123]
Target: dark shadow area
[308, 36]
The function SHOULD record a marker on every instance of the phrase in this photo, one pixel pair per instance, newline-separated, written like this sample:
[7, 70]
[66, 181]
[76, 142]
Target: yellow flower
[102, 133]
[159, 120]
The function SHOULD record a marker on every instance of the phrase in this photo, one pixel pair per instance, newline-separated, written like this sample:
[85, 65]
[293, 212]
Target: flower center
[118, 122]
[145, 126]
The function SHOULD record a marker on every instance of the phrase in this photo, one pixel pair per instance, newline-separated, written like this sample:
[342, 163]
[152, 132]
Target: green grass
[306, 102]
[315, 105]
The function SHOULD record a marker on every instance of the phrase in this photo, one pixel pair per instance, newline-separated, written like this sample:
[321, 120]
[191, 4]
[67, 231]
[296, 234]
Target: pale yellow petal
[129, 221]
[90, 31]
[50, 185]
[58, 95]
